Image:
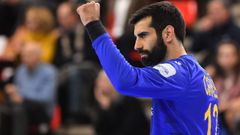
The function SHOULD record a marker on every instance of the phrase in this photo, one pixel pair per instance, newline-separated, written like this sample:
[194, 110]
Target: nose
[138, 45]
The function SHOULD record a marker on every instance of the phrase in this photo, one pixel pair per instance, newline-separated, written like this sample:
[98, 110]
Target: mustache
[141, 51]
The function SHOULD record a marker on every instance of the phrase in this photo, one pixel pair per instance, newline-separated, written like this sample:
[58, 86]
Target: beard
[154, 56]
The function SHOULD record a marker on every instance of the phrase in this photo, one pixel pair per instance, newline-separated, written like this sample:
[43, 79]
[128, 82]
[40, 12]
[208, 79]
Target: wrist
[95, 29]
[89, 20]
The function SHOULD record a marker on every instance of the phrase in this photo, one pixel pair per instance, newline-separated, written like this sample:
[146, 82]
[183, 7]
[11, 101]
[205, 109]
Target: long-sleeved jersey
[184, 96]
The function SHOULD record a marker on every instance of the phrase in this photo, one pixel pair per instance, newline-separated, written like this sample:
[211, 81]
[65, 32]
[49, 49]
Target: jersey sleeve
[162, 81]
[167, 80]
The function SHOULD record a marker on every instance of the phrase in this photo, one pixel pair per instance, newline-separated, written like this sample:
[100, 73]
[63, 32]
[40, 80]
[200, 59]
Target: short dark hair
[163, 14]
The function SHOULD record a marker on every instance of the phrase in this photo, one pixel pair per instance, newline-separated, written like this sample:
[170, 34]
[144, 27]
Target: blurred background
[51, 82]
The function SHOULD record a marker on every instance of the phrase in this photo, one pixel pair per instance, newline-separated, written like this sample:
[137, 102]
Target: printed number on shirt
[212, 112]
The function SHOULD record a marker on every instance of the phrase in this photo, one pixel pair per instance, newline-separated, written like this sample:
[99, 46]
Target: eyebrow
[142, 34]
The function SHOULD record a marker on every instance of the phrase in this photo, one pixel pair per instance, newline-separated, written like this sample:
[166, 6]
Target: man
[215, 26]
[33, 92]
[184, 96]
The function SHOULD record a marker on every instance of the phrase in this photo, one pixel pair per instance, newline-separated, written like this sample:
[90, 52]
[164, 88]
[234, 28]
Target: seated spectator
[73, 45]
[33, 93]
[38, 27]
[214, 26]
[117, 115]
[76, 62]
[226, 75]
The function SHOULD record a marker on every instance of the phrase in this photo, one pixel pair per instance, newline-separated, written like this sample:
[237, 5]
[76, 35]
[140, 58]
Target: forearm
[129, 80]
[120, 72]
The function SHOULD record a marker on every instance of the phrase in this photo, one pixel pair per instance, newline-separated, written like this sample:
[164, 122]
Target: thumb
[97, 4]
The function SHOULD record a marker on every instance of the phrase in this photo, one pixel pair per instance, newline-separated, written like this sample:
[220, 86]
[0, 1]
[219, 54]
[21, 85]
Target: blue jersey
[184, 96]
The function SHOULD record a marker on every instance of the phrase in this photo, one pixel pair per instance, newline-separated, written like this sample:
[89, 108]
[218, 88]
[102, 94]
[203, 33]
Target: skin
[104, 92]
[31, 55]
[66, 17]
[91, 12]
[31, 22]
[144, 35]
[227, 57]
[217, 12]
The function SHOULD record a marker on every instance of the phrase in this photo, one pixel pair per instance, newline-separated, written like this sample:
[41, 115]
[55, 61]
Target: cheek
[233, 60]
[151, 43]
[227, 60]
[222, 59]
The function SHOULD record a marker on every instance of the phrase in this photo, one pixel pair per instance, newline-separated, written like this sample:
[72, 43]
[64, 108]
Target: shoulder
[181, 65]
[190, 64]
[183, 69]
[166, 69]
[21, 69]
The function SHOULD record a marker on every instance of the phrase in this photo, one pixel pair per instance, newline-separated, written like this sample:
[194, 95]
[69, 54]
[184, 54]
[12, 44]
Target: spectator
[72, 46]
[38, 27]
[76, 62]
[226, 74]
[217, 24]
[117, 115]
[33, 92]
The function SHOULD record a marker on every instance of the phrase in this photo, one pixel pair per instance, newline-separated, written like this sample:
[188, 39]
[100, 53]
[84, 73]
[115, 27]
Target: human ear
[168, 34]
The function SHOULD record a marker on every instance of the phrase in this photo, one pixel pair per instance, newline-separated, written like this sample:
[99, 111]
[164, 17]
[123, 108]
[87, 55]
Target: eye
[143, 34]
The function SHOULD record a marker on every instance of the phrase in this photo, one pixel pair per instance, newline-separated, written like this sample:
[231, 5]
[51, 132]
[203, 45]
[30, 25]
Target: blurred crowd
[50, 76]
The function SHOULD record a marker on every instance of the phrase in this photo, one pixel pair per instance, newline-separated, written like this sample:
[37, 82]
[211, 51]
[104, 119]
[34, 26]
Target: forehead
[143, 25]
[227, 47]
[64, 9]
[213, 5]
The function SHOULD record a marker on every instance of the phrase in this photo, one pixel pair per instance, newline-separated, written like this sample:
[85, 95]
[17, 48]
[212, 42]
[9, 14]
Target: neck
[175, 50]
[229, 72]
[33, 67]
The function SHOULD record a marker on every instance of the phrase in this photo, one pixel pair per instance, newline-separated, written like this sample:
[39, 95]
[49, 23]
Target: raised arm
[128, 80]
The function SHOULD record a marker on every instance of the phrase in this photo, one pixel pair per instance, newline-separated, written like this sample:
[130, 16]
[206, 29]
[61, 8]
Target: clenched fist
[89, 12]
